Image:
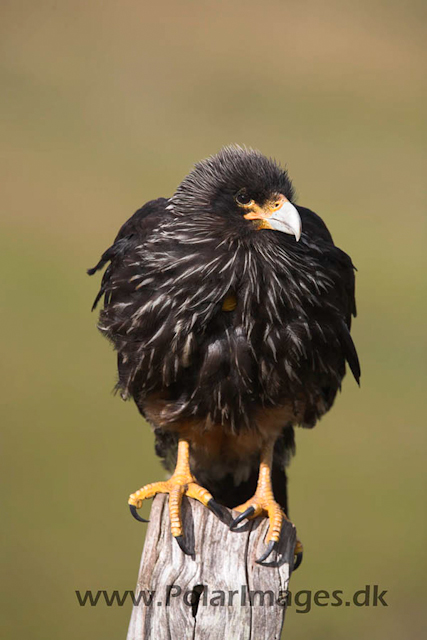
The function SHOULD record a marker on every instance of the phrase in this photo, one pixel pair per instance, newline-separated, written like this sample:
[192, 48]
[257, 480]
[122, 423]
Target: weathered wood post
[219, 592]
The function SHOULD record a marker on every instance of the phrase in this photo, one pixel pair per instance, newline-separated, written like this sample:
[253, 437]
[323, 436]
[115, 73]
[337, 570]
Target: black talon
[215, 508]
[135, 513]
[271, 546]
[249, 512]
[181, 543]
[298, 560]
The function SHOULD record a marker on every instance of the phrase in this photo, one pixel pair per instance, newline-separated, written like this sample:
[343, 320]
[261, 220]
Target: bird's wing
[340, 266]
[133, 231]
[313, 225]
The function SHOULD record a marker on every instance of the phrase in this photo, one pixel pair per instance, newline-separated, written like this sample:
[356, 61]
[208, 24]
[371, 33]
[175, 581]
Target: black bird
[230, 309]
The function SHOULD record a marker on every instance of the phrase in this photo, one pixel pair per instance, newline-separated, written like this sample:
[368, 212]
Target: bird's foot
[264, 504]
[298, 554]
[182, 483]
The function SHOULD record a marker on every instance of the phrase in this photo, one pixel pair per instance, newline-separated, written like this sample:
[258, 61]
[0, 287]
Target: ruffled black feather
[172, 265]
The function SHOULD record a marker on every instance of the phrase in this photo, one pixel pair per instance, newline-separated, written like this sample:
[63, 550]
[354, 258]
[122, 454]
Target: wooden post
[218, 593]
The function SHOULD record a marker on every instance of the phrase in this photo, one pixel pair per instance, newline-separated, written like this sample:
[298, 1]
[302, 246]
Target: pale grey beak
[286, 219]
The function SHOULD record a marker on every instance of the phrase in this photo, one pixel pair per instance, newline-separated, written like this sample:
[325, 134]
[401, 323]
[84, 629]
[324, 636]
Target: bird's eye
[243, 198]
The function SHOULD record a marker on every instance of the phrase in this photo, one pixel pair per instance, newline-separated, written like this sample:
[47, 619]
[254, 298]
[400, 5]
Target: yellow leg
[263, 503]
[181, 483]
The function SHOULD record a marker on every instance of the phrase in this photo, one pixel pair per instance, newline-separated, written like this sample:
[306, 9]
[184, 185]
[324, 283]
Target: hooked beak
[279, 215]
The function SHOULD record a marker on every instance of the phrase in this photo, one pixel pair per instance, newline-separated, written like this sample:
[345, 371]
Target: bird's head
[240, 184]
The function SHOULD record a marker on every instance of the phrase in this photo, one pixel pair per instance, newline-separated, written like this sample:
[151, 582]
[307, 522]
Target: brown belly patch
[212, 440]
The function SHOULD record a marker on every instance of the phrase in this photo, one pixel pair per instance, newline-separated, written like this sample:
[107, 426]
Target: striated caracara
[229, 307]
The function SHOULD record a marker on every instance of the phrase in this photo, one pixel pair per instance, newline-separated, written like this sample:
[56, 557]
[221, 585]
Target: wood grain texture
[221, 574]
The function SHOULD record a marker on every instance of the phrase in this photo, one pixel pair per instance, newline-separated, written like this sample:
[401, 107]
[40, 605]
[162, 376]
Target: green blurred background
[108, 104]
